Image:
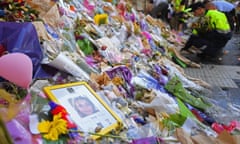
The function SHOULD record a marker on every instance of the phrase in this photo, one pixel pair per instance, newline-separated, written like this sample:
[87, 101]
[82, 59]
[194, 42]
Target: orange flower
[117, 81]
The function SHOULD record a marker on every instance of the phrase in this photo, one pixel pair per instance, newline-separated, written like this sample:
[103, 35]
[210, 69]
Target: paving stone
[224, 76]
[216, 75]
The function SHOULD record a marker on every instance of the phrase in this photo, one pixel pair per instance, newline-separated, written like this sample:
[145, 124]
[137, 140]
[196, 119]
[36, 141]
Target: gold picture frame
[78, 97]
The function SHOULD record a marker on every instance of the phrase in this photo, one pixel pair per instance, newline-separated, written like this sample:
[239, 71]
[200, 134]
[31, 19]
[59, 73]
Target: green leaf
[86, 46]
[61, 140]
[178, 119]
[184, 111]
[175, 87]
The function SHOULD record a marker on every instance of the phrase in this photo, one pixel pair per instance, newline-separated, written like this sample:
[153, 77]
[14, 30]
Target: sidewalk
[224, 76]
[230, 54]
[222, 72]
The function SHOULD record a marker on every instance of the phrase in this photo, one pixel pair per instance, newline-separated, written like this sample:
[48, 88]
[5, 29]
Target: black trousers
[238, 22]
[214, 42]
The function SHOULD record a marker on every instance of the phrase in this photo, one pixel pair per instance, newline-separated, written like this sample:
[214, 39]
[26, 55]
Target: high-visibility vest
[218, 21]
[215, 20]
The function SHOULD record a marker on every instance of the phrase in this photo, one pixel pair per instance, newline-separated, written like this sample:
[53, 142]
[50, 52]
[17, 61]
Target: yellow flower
[137, 29]
[52, 129]
[44, 126]
[117, 81]
[101, 19]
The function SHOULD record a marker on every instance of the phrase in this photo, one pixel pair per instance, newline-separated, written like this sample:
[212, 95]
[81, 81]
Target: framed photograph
[85, 107]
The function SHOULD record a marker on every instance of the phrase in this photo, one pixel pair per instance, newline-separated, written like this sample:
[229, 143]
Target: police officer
[211, 32]
[227, 8]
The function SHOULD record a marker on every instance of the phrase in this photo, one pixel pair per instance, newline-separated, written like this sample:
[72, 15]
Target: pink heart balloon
[16, 68]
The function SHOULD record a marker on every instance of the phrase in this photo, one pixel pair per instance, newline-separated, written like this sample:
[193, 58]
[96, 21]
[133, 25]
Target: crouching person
[210, 33]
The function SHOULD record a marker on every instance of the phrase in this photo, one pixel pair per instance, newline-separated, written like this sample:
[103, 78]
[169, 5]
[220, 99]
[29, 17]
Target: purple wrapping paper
[18, 133]
[23, 38]
[125, 73]
[148, 140]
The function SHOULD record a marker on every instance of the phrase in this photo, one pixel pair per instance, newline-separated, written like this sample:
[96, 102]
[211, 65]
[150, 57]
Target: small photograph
[83, 106]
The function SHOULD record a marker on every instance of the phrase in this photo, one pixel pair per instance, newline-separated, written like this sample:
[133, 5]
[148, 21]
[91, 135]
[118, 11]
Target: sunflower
[51, 130]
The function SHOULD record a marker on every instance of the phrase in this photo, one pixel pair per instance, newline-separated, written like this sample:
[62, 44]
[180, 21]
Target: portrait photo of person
[83, 106]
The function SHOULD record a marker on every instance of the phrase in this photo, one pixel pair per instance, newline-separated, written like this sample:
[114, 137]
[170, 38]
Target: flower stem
[103, 135]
